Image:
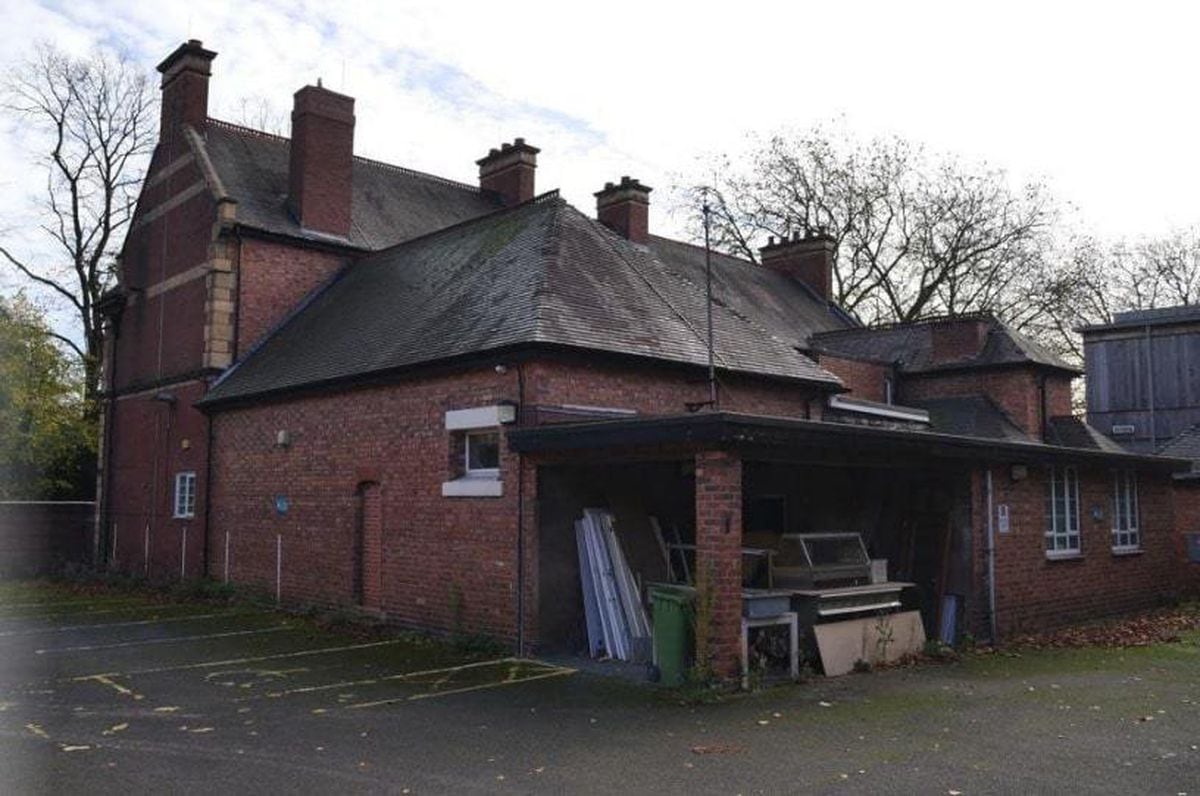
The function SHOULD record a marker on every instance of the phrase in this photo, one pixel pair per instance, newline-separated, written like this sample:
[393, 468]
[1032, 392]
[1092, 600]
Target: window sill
[473, 486]
[1127, 551]
[1065, 556]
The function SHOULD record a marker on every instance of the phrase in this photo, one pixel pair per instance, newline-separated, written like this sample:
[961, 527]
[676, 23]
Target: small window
[1062, 512]
[1125, 511]
[185, 495]
[483, 453]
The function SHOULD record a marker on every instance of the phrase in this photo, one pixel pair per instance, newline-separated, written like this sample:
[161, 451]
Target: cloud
[1091, 96]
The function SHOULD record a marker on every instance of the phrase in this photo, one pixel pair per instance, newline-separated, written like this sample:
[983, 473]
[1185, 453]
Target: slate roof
[910, 347]
[539, 273]
[1185, 445]
[1074, 432]
[971, 416]
[389, 204]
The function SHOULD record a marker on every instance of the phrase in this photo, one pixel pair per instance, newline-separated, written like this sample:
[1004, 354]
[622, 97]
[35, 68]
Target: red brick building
[350, 383]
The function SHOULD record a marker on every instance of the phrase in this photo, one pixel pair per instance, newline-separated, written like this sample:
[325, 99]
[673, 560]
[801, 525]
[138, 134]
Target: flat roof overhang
[775, 436]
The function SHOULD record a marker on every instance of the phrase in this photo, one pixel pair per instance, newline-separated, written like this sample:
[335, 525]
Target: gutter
[736, 430]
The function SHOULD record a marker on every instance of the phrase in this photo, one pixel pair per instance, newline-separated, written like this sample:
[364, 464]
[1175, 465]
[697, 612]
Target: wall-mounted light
[283, 439]
[1019, 472]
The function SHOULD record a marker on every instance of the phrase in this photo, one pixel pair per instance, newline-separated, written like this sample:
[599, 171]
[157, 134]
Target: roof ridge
[890, 326]
[548, 196]
[282, 139]
[698, 247]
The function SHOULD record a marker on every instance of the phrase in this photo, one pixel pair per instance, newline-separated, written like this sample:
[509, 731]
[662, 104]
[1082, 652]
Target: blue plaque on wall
[281, 505]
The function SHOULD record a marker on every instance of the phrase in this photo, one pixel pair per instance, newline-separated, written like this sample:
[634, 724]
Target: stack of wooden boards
[617, 625]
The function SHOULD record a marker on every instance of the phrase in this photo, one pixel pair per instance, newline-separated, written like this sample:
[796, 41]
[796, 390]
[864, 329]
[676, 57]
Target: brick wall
[1187, 520]
[1034, 592]
[41, 538]
[152, 441]
[446, 563]
[1015, 390]
[864, 379]
[273, 278]
[719, 557]
[660, 390]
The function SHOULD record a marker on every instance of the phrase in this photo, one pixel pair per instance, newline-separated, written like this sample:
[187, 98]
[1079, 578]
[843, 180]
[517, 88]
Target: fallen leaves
[1158, 626]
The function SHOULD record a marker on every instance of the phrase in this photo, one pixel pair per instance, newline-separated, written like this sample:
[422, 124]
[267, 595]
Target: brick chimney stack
[185, 74]
[625, 209]
[508, 172]
[958, 339]
[321, 168]
[808, 259]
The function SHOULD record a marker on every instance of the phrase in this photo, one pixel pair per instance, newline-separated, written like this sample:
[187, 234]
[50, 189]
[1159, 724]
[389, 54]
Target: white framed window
[1125, 511]
[1062, 512]
[482, 453]
[185, 495]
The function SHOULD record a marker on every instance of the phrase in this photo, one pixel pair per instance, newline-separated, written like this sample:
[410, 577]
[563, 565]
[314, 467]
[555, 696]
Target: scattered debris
[716, 749]
[37, 730]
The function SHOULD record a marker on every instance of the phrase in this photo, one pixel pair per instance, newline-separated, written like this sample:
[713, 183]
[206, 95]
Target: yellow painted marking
[116, 728]
[107, 680]
[166, 709]
[235, 661]
[376, 680]
[558, 672]
[199, 730]
[76, 748]
[37, 730]
[173, 640]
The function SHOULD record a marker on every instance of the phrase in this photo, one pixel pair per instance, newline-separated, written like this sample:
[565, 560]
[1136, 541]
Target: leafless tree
[917, 236]
[97, 118]
[258, 113]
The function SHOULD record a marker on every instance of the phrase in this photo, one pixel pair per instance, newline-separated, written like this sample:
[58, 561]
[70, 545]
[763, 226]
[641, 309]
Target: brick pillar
[719, 560]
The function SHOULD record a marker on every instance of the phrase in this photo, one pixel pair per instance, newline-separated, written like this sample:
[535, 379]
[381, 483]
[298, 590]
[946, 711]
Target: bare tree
[97, 117]
[259, 113]
[917, 236]
[1097, 279]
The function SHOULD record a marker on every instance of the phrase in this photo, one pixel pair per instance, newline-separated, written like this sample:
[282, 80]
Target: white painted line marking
[481, 687]
[233, 661]
[68, 614]
[97, 603]
[100, 625]
[173, 640]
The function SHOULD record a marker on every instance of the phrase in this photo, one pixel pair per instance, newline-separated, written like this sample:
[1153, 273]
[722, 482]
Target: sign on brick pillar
[719, 561]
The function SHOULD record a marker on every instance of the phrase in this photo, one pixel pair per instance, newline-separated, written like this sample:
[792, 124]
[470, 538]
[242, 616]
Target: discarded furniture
[787, 619]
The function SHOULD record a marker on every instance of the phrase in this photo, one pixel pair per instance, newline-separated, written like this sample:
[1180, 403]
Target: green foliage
[47, 442]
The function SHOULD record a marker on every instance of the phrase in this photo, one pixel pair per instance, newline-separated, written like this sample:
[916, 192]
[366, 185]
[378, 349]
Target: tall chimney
[508, 171]
[625, 209]
[808, 259]
[185, 74]
[321, 170]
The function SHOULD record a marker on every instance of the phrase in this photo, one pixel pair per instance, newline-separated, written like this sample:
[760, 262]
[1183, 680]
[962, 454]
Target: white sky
[1096, 98]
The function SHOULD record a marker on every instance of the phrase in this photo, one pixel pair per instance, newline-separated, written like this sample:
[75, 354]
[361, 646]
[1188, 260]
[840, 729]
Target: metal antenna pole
[712, 371]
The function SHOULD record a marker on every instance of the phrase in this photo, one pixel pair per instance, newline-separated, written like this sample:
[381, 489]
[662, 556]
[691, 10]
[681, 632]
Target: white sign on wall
[1002, 518]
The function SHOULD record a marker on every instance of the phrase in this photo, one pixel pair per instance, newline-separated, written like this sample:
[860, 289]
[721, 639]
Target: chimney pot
[321, 165]
[625, 209]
